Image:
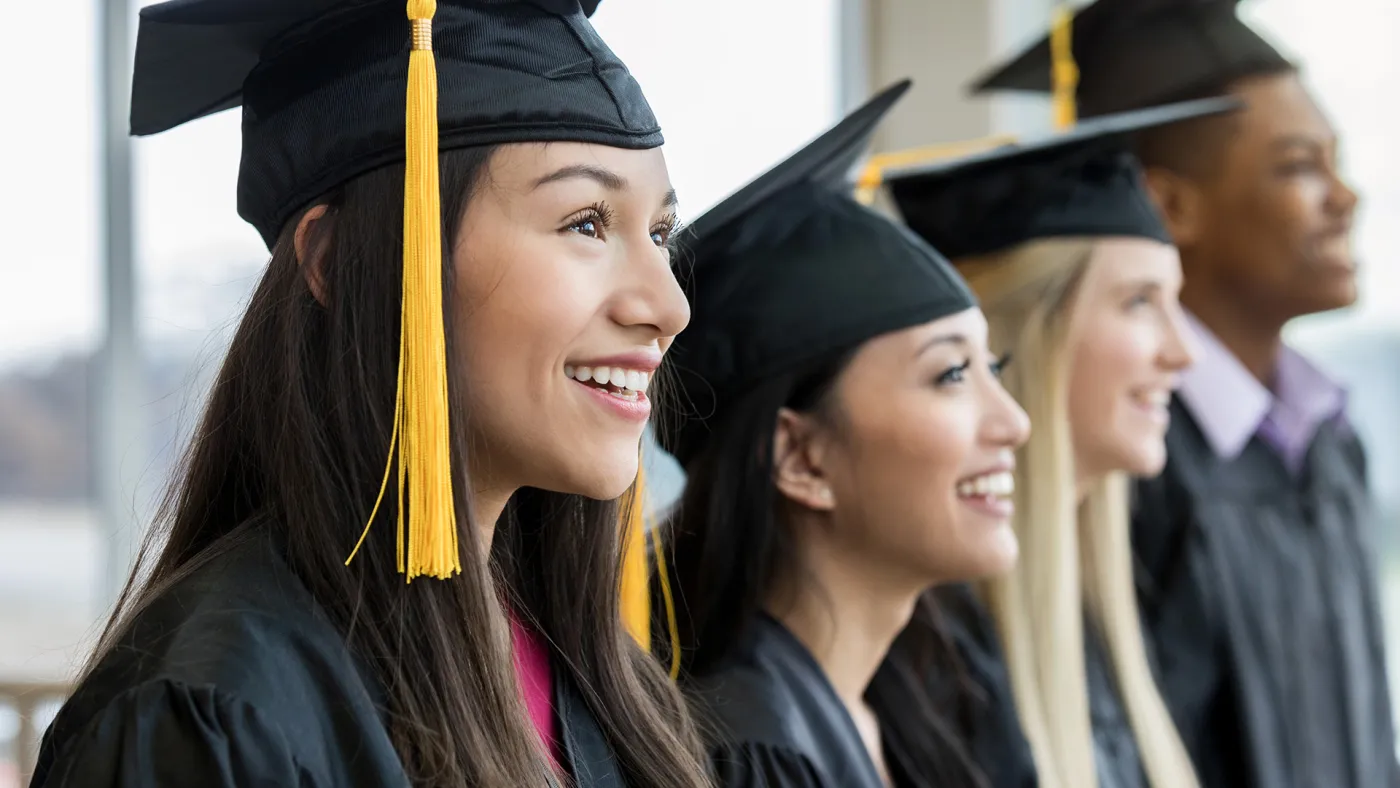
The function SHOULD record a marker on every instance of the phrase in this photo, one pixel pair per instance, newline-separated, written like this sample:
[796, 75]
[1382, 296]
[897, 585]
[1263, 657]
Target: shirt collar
[1231, 406]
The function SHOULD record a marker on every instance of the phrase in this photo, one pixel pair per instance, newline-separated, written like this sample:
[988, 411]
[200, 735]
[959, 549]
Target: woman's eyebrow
[957, 339]
[603, 177]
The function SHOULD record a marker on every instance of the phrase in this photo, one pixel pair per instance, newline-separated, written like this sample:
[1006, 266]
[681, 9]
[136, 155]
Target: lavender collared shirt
[1231, 406]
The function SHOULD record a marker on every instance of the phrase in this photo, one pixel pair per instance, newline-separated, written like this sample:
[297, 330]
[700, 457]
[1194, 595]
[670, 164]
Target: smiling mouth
[1335, 251]
[625, 384]
[998, 484]
[1155, 403]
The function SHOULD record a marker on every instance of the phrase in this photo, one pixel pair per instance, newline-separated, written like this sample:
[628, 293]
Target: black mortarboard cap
[1134, 54]
[322, 85]
[1079, 182]
[791, 268]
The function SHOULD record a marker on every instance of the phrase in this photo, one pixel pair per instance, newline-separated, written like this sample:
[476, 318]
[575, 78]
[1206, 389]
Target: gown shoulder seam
[166, 685]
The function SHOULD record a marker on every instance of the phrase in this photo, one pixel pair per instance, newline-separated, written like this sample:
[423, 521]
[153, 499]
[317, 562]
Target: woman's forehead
[532, 165]
[962, 331]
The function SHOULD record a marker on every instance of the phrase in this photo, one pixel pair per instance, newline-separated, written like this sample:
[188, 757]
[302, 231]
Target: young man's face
[1274, 225]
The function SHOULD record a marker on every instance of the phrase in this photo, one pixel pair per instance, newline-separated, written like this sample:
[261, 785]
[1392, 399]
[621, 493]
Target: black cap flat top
[1081, 182]
[1134, 54]
[323, 84]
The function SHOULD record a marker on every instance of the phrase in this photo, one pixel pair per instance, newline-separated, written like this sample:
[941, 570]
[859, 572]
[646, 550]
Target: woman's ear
[311, 251]
[799, 447]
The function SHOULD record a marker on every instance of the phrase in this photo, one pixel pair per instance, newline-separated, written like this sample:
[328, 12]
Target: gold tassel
[1064, 72]
[1065, 80]
[636, 589]
[872, 176]
[421, 442]
[636, 597]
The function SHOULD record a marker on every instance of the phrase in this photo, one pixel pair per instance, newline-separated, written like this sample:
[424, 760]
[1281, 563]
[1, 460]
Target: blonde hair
[1074, 557]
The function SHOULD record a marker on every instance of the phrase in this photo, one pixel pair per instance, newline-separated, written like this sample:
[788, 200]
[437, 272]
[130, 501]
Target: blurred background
[126, 263]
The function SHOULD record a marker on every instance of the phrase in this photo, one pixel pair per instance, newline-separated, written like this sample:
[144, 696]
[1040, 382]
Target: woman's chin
[1144, 460]
[1002, 552]
[994, 555]
[991, 553]
[602, 480]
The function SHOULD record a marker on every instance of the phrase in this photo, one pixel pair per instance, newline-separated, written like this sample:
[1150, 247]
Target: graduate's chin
[986, 551]
[604, 479]
[1002, 551]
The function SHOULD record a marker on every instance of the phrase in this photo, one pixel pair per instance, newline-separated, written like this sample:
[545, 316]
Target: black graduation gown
[987, 717]
[235, 678]
[992, 728]
[1258, 591]
[777, 722]
[1117, 761]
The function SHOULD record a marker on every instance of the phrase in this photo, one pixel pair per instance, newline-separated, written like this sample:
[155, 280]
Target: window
[49, 330]
[197, 263]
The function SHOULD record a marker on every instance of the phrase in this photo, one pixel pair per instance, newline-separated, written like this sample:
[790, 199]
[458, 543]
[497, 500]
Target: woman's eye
[591, 222]
[662, 234]
[1143, 297]
[999, 366]
[588, 227]
[955, 375]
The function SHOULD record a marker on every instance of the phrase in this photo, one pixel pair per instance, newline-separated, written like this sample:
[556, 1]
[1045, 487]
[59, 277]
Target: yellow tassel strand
[426, 452]
[1064, 79]
[1064, 71]
[636, 595]
[427, 543]
[637, 536]
[873, 174]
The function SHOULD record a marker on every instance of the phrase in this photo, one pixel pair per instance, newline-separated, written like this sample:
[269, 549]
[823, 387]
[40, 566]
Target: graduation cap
[332, 89]
[791, 268]
[322, 84]
[1080, 182]
[1133, 54]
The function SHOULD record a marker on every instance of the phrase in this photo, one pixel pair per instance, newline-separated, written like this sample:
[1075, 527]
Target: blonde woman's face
[920, 457]
[1128, 345]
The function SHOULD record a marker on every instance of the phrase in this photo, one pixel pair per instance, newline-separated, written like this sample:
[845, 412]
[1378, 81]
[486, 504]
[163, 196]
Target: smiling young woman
[433, 299]
[1079, 280]
[851, 446]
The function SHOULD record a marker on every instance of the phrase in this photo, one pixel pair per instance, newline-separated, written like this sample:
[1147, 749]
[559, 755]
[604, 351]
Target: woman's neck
[487, 506]
[1086, 481]
[847, 619]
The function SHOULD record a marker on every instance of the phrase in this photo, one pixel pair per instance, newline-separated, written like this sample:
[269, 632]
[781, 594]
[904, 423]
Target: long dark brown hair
[727, 541]
[294, 439]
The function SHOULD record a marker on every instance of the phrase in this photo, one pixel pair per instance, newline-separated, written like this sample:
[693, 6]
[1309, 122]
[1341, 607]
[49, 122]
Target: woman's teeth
[1156, 398]
[999, 485]
[619, 382]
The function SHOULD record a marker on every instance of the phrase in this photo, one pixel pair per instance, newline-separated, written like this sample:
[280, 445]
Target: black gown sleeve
[1183, 630]
[165, 734]
[1116, 757]
[755, 765]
